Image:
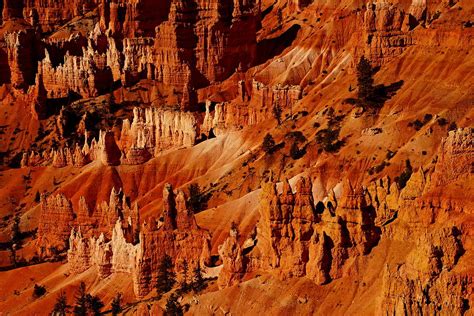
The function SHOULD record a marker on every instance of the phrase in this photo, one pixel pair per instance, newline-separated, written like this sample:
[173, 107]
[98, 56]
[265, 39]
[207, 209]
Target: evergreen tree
[268, 144]
[80, 308]
[117, 304]
[197, 200]
[94, 304]
[328, 139]
[184, 286]
[38, 291]
[60, 307]
[295, 152]
[199, 283]
[365, 81]
[166, 276]
[405, 175]
[37, 197]
[15, 234]
[173, 307]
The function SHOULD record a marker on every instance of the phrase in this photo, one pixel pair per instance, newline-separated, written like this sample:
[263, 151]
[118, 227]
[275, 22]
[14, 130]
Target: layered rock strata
[251, 106]
[233, 261]
[324, 241]
[103, 150]
[58, 218]
[297, 238]
[153, 130]
[432, 278]
[175, 234]
[88, 75]
[21, 58]
[386, 29]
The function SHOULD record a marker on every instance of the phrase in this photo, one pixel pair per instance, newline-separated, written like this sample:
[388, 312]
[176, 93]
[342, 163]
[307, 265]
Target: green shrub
[405, 175]
[328, 139]
[38, 291]
[197, 200]
[268, 144]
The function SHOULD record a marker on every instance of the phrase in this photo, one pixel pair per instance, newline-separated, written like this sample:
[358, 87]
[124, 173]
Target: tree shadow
[383, 93]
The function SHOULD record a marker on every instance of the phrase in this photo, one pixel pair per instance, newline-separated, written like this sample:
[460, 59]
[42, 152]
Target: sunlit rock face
[298, 239]
[155, 130]
[112, 239]
[353, 206]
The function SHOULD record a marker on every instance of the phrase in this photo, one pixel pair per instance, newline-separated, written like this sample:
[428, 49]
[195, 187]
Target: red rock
[426, 276]
[249, 108]
[108, 151]
[57, 217]
[139, 60]
[39, 94]
[116, 249]
[87, 75]
[294, 240]
[154, 130]
[368, 245]
[456, 157]
[233, 266]
[12, 10]
[21, 58]
[57, 12]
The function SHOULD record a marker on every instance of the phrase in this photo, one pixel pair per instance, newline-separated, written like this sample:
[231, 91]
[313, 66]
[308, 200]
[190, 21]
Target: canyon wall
[125, 249]
[152, 131]
[87, 75]
[103, 150]
[58, 218]
[300, 238]
[432, 278]
[193, 43]
[250, 107]
[155, 130]
[51, 13]
[324, 241]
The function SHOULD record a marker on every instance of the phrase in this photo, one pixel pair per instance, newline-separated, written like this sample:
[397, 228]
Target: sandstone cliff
[114, 244]
[154, 130]
[325, 240]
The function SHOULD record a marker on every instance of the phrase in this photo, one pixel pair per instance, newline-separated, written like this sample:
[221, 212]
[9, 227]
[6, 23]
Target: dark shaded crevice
[269, 48]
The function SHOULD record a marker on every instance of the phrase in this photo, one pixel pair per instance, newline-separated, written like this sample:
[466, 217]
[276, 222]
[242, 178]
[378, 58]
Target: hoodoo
[244, 157]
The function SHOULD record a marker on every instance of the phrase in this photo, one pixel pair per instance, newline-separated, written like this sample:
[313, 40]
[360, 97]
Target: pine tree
[37, 197]
[405, 175]
[199, 283]
[173, 307]
[15, 234]
[60, 307]
[184, 286]
[38, 290]
[295, 152]
[166, 276]
[80, 308]
[117, 304]
[365, 81]
[197, 200]
[94, 304]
